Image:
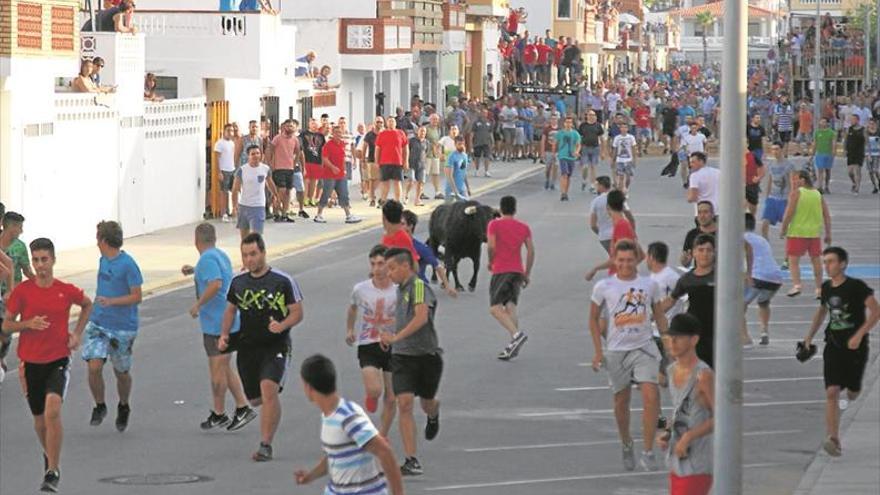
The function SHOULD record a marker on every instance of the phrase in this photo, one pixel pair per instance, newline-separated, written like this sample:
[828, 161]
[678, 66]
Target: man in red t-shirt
[392, 153]
[333, 161]
[642, 117]
[622, 229]
[506, 237]
[530, 58]
[396, 234]
[754, 172]
[557, 59]
[544, 61]
[39, 308]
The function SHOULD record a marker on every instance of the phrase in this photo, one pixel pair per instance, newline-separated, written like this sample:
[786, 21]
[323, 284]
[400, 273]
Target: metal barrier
[219, 114]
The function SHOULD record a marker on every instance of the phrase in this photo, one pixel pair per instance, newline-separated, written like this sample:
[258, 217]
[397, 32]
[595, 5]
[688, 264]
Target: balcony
[375, 44]
[324, 99]
[836, 64]
[205, 43]
[488, 8]
[426, 16]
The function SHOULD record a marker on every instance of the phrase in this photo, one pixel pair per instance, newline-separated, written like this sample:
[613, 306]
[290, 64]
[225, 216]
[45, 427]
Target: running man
[548, 150]
[39, 308]
[699, 287]
[622, 227]
[568, 150]
[213, 276]
[600, 220]
[763, 282]
[250, 184]
[375, 299]
[416, 362]
[872, 160]
[269, 303]
[692, 385]
[780, 175]
[348, 438]
[854, 144]
[113, 325]
[845, 299]
[623, 157]
[823, 150]
[506, 237]
[631, 354]
[805, 216]
[665, 277]
[591, 132]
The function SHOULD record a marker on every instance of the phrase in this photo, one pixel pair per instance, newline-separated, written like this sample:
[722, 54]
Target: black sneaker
[98, 414]
[122, 413]
[263, 454]
[288, 219]
[279, 219]
[241, 417]
[507, 353]
[432, 427]
[214, 420]
[516, 344]
[303, 214]
[50, 482]
[411, 467]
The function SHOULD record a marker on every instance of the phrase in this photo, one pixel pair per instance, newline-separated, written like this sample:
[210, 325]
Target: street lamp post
[817, 69]
[729, 314]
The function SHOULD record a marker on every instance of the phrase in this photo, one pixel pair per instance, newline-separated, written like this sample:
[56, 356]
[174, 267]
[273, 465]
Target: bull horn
[470, 210]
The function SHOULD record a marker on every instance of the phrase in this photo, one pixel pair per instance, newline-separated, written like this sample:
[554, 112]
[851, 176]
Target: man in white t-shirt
[600, 220]
[693, 140]
[623, 149]
[631, 355]
[665, 278]
[376, 301]
[508, 117]
[224, 153]
[612, 99]
[703, 181]
[250, 183]
[351, 443]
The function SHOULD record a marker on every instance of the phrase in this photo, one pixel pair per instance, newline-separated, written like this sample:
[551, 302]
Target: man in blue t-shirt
[113, 324]
[456, 172]
[213, 276]
[426, 255]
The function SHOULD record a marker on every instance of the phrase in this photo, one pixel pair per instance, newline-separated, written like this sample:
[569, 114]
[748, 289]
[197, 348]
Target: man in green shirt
[823, 150]
[14, 248]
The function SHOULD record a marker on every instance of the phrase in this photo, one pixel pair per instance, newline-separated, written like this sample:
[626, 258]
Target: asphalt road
[507, 428]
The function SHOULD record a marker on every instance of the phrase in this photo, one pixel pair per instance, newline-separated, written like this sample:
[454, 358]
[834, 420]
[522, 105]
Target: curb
[821, 460]
[171, 283]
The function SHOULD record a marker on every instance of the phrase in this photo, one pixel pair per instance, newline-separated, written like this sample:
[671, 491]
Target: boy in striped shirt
[349, 439]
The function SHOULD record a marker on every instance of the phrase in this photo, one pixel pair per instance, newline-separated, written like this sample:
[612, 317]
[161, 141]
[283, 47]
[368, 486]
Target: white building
[69, 160]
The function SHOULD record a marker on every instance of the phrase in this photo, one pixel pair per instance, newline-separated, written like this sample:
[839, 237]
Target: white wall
[332, 9]
[322, 36]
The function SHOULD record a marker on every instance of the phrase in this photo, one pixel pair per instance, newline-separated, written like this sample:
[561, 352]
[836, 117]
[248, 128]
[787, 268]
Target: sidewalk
[857, 472]
[161, 254]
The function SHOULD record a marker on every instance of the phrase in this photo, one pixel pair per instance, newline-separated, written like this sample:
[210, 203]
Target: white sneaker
[225, 218]
[319, 219]
[843, 404]
[352, 219]
[487, 174]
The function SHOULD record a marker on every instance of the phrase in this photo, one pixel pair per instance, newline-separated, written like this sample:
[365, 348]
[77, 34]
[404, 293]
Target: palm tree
[705, 19]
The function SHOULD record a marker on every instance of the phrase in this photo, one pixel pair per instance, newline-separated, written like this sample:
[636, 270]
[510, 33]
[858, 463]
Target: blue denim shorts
[100, 343]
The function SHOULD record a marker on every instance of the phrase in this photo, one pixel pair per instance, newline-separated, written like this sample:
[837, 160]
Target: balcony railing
[717, 42]
[375, 36]
[323, 99]
[836, 64]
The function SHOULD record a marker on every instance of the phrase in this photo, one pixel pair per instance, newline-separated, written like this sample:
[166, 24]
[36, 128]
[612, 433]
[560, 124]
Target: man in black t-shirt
[755, 134]
[313, 145]
[591, 132]
[670, 120]
[845, 299]
[367, 153]
[699, 285]
[707, 223]
[269, 304]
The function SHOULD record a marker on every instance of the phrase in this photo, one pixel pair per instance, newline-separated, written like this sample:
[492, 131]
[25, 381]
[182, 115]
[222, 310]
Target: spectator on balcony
[123, 18]
[530, 60]
[544, 61]
[514, 18]
[323, 79]
[557, 60]
[150, 88]
[83, 82]
[256, 5]
[304, 64]
[97, 65]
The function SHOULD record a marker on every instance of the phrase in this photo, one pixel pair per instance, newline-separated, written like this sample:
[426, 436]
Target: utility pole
[868, 45]
[817, 70]
[729, 287]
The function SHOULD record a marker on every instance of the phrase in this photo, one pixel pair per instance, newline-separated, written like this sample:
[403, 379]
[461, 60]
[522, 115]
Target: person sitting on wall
[304, 64]
[150, 88]
[83, 82]
[323, 79]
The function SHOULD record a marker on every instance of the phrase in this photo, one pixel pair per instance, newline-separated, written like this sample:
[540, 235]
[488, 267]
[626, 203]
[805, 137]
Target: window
[563, 9]
[166, 86]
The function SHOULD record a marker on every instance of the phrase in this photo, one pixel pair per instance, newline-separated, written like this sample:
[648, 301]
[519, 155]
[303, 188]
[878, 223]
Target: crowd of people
[655, 330]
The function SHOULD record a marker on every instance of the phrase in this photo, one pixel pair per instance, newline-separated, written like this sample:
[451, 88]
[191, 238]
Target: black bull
[460, 228]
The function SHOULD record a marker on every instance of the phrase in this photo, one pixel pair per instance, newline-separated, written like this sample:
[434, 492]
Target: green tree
[706, 20]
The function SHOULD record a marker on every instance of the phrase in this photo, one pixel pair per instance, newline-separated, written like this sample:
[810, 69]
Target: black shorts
[753, 191]
[390, 172]
[504, 288]
[373, 356]
[226, 180]
[785, 136]
[668, 131]
[283, 179]
[855, 160]
[843, 367]
[256, 364]
[43, 379]
[481, 151]
[417, 375]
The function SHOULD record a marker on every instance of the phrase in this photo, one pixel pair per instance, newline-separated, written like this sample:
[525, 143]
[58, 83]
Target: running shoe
[214, 420]
[552, 187]
[439, 195]
[225, 218]
[303, 214]
[287, 219]
[319, 219]
[50, 482]
[263, 454]
[432, 427]
[411, 467]
[98, 414]
[352, 219]
[516, 344]
[875, 191]
[507, 353]
[563, 197]
[122, 413]
[765, 339]
[278, 218]
[242, 417]
[424, 197]
[546, 184]
[648, 461]
[371, 404]
[629, 457]
[832, 446]
[487, 174]
[583, 186]
[784, 264]
[795, 291]
[843, 404]
[662, 422]
[372, 203]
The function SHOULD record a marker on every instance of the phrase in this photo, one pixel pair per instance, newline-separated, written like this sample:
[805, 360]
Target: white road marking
[574, 478]
[756, 380]
[602, 442]
[577, 412]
